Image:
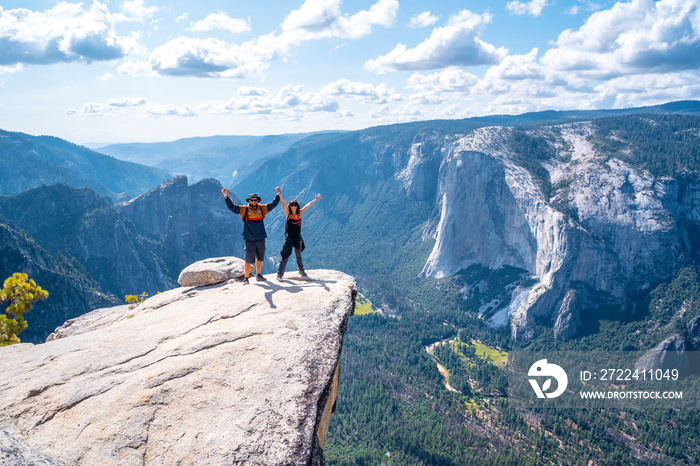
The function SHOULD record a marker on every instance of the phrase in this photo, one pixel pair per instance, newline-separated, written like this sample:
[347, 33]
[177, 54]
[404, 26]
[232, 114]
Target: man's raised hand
[224, 192]
[279, 191]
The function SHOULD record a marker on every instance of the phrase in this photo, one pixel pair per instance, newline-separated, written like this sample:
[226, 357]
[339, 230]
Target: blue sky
[159, 70]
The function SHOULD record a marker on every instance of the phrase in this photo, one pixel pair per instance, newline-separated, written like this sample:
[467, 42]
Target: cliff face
[608, 231]
[223, 374]
[189, 222]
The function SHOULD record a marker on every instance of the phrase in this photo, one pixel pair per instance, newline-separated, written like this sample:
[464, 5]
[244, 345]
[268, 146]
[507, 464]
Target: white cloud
[533, 7]
[379, 112]
[517, 68]
[94, 109]
[458, 43]
[363, 91]
[248, 90]
[639, 36]
[182, 17]
[647, 89]
[289, 103]
[211, 57]
[157, 110]
[440, 87]
[449, 80]
[106, 77]
[65, 33]
[215, 58]
[221, 21]
[135, 10]
[317, 19]
[422, 20]
[127, 102]
[128, 105]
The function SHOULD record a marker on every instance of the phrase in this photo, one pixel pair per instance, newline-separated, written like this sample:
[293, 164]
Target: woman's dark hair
[296, 203]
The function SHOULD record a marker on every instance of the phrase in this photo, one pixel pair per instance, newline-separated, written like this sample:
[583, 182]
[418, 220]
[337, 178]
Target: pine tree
[21, 295]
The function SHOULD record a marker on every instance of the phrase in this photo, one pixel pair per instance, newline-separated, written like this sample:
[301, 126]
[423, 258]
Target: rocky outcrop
[190, 223]
[673, 353]
[694, 328]
[600, 225]
[568, 316]
[224, 374]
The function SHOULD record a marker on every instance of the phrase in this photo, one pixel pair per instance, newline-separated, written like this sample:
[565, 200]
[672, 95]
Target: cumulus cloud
[533, 7]
[289, 100]
[221, 21]
[215, 58]
[135, 10]
[517, 68]
[67, 32]
[157, 110]
[317, 19]
[124, 105]
[639, 36]
[647, 89]
[127, 102]
[422, 20]
[440, 87]
[449, 80]
[363, 91]
[212, 57]
[458, 43]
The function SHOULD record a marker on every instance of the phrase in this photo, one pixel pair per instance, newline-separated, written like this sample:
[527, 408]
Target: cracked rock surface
[224, 374]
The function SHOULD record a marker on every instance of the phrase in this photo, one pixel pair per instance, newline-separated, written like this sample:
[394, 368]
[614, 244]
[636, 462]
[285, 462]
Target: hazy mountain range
[204, 157]
[27, 162]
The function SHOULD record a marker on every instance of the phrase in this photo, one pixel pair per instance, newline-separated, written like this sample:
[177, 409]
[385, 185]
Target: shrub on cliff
[21, 295]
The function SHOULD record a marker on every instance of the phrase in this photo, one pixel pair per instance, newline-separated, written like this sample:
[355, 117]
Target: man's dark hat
[253, 196]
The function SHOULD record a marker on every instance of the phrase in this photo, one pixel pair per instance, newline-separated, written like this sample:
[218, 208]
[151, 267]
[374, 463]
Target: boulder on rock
[211, 271]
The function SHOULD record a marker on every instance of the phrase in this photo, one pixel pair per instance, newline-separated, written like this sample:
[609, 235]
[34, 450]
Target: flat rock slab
[225, 374]
[211, 271]
[92, 320]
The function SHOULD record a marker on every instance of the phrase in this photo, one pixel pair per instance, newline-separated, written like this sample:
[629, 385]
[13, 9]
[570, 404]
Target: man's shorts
[254, 249]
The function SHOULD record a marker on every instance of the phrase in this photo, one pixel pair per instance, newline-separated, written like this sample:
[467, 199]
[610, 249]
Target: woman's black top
[293, 227]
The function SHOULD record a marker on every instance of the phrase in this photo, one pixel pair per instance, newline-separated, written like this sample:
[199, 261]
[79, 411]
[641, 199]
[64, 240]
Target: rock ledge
[224, 374]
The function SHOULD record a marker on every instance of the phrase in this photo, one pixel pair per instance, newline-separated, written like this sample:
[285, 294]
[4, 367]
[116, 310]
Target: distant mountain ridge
[204, 157]
[28, 161]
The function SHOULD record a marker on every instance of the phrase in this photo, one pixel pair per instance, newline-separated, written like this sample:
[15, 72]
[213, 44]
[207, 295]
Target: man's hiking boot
[245, 281]
[260, 278]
